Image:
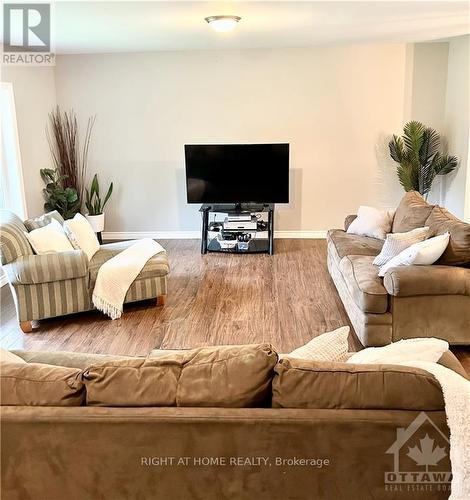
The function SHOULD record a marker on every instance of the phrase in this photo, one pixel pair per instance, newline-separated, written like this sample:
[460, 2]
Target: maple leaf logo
[426, 454]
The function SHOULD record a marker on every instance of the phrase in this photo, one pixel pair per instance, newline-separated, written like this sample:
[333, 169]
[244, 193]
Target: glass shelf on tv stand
[262, 241]
[242, 208]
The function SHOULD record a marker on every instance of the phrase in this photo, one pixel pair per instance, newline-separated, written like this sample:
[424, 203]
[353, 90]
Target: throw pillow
[423, 253]
[43, 220]
[411, 213]
[371, 222]
[397, 242]
[49, 239]
[418, 349]
[330, 346]
[457, 252]
[81, 235]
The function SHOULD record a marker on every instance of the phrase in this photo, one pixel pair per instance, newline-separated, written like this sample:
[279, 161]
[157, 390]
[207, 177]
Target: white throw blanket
[456, 391]
[117, 274]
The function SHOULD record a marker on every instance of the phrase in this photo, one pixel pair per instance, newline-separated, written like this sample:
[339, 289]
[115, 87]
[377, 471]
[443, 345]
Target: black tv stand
[261, 240]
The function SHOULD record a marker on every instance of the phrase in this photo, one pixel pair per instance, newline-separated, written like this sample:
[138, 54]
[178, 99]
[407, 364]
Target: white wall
[35, 97]
[428, 96]
[335, 106]
[429, 84]
[457, 125]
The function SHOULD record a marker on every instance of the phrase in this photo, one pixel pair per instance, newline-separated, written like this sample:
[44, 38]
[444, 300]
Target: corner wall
[457, 118]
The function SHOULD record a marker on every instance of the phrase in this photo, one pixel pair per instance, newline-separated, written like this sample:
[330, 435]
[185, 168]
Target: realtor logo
[26, 27]
[418, 455]
[27, 34]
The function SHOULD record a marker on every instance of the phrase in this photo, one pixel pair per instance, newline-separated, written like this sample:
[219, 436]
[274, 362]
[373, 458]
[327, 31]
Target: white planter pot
[96, 222]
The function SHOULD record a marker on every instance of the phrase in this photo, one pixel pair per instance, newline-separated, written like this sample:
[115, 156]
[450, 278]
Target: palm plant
[93, 200]
[419, 159]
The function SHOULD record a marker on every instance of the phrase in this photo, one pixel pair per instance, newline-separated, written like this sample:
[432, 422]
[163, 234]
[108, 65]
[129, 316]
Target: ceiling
[88, 27]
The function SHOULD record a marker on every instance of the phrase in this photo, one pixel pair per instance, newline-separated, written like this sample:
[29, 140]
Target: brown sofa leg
[26, 326]
[161, 299]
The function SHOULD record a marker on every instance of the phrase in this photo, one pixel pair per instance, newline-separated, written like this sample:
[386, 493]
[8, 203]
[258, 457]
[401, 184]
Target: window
[12, 195]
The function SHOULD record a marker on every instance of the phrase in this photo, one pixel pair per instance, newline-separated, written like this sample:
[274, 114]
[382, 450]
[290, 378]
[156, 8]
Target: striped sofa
[45, 286]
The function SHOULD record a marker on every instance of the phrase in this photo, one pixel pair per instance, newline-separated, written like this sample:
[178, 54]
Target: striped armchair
[45, 286]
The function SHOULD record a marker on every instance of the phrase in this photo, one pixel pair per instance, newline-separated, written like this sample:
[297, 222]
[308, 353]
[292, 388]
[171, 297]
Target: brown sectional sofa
[410, 301]
[324, 431]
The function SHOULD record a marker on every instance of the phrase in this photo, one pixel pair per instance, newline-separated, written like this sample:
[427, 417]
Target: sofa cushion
[13, 242]
[156, 266]
[134, 382]
[449, 360]
[227, 376]
[43, 220]
[352, 244]
[328, 385]
[457, 252]
[224, 376]
[411, 213]
[34, 384]
[364, 285]
[81, 360]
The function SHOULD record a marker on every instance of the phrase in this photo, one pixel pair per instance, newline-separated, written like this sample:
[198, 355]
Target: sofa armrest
[348, 221]
[409, 281]
[34, 269]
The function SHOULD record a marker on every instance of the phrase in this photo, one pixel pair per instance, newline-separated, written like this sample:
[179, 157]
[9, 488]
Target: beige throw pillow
[81, 235]
[330, 346]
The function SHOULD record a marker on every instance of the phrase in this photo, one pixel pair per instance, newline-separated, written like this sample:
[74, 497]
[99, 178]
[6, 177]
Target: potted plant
[95, 207]
[419, 159]
[69, 159]
[57, 196]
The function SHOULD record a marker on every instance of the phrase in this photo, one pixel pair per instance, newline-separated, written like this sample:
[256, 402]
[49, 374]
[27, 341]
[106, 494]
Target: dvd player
[238, 217]
[246, 225]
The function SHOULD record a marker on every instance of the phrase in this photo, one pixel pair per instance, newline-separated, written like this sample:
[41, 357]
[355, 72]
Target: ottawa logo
[420, 456]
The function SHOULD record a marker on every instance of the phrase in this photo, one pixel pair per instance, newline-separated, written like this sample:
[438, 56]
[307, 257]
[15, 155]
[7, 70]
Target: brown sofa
[410, 301]
[324, 430]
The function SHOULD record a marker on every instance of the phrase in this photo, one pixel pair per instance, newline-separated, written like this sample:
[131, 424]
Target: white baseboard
[186, 235]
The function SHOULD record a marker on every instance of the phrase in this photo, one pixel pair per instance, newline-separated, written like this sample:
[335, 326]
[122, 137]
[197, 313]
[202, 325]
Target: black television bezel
[238, 202]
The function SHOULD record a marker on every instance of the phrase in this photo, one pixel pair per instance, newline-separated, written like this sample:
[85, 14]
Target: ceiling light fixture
[222, 23]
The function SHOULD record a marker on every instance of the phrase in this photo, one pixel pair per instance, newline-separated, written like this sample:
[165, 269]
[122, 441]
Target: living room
[242, 221]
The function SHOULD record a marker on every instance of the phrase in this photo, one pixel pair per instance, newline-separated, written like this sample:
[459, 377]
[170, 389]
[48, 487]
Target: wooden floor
[285, 299]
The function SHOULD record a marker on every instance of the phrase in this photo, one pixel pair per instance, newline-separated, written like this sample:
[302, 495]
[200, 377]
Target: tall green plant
[57, 197]
[93, 200]
[419, 159]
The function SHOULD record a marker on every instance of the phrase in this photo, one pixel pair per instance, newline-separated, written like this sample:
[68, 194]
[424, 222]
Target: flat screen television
[237, 173]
